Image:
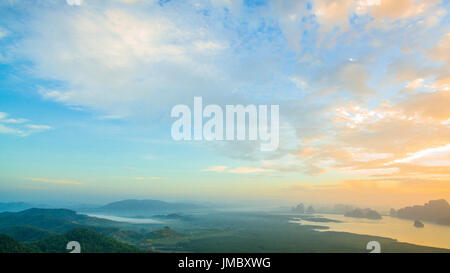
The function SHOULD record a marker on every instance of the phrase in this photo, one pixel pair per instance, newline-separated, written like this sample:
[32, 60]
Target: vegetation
[27, 233]
[364, 213]
[206, 232]
[90, 241]
[10, 245]
[56, 220]
[437, 211]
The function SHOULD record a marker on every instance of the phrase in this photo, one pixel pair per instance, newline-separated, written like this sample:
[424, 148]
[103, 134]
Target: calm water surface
[391, 227]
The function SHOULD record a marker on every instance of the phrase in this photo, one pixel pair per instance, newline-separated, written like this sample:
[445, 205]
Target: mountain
[49, 230]
[90, 242]
[56, 220]
[363, 213]
[26, 233]
[437, 211]
[133, 207]
[14, 206]
[174, 216]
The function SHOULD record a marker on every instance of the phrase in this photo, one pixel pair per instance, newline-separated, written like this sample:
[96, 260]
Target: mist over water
[126, 219]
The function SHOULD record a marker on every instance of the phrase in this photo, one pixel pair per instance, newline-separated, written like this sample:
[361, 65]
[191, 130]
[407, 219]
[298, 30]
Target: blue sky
[86, 90]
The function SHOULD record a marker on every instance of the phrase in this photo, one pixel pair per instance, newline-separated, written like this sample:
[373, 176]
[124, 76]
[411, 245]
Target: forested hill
[55, 220]
[90, 242]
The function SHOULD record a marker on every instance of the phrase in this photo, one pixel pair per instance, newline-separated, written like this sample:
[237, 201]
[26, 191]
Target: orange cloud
[376, 192]
[216, 169]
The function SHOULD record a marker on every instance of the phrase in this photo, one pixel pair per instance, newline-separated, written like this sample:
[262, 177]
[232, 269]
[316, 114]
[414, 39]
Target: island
[418, 224]
[363, 213]
[436, 211]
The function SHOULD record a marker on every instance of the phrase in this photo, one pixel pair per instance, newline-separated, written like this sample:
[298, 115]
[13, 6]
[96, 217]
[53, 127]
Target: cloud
[216, 169]
[20, 128]
[383, 140]
[38, 127]
[439, 156]
[375, 192]
[433, 105]
[129, 168]
[74, 2]
[13, 120]
[351, 117]
[137, 60]
[238, 170]
[333, 13]
[247, 170]
[148, 178]
[334, 20]
[401, 9]
[353, 77]
[8, 130]
[369, 172]
[440, 51]
[3, 33]
[54, 181]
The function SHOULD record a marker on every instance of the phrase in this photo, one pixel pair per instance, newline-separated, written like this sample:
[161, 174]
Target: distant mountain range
[437, 211]
[129, 207]
[144, 207]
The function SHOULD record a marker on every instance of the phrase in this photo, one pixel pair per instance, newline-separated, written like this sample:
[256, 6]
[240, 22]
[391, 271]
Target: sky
[87, 88]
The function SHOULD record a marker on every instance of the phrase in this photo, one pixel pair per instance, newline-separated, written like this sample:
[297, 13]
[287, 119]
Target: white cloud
[369, 171]
[439, 156]
[3, 32]
[299, 82]
[247, 170]
[8, 130]
[417, 83]
[38, 127]
[238, 170]
[361, 156]
[109, 117]
[74, 2]
[13, 120]
[148, 178]
[136, 61]
[54, 181]
[123, 61]
[209, 46]
[17, 126]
